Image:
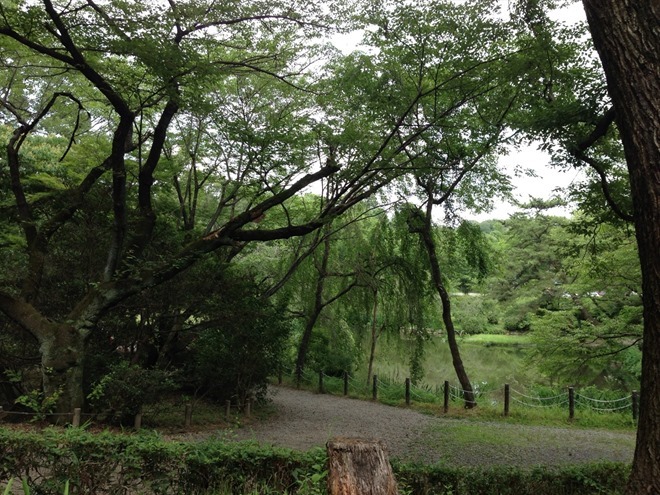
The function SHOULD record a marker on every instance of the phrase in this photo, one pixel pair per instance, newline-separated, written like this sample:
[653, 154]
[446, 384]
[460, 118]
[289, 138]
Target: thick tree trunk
[436, 275]
[61, 348]
[626, 35]
[359, 467]
[62, 355]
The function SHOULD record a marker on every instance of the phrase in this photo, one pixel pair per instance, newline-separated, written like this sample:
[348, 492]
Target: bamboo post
[571, 402]
[188, 416]
[345, 382]
[75, 422]
[407, 391]
[635, 405]
[374, 391]
[507, 397]
[446, 391]
[228, 410]
[321, 391]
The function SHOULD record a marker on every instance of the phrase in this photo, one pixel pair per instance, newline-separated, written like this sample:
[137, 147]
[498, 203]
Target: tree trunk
[316, 311]
[303, 348]
[627, 38]
[436, 275]
[359, 467]
[374, 338]
[62, 356]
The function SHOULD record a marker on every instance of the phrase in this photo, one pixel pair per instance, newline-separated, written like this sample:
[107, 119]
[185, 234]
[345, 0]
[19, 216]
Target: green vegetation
[197, 195]
[93, 463]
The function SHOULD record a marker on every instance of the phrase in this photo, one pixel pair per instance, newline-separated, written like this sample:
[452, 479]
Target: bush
[608, 478]
[120, 394]
[332, 351]
[143, 463]
[233, 358]
[119, 463]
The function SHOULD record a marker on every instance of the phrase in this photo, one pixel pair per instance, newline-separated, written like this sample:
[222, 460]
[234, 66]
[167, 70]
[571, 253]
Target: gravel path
[304, 420]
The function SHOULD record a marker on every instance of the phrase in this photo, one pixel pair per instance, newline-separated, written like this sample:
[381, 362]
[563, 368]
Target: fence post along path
[358, 466]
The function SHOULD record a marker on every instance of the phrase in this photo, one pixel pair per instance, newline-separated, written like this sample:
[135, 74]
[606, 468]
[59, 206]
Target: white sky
[542, 186]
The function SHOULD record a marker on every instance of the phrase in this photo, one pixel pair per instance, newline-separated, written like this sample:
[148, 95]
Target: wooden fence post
[321, 391]
[407, 391]
[374, 391]
[187, 418]
[359, 467]
[446, 391]
[571, 402]
[75, 422]
[635, 405]
[248, 408]
[227, 409]
[345, 382]
[507, 395]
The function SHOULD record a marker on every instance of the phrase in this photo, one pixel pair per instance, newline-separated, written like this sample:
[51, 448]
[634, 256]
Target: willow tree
[453, 166]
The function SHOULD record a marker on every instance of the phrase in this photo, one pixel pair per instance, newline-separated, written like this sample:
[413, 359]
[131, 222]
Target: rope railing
[605, 405]
[538, 402]
[603, 401]
[388, 389]
[540, 406]
[548, 399]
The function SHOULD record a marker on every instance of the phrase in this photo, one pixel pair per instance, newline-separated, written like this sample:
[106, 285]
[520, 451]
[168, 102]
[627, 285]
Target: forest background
[189, 184]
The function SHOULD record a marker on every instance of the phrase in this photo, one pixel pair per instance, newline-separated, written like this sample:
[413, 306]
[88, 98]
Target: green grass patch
[497, 339]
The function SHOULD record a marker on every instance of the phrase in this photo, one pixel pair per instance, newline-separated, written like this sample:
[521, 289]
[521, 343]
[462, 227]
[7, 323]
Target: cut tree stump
[359, 467]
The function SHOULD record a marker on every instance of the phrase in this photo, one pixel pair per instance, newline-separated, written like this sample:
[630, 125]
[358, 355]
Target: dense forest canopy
[188, 182]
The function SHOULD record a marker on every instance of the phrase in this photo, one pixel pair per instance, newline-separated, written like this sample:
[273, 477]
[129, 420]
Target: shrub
[121, 393]
[233, 357]
[144, 463]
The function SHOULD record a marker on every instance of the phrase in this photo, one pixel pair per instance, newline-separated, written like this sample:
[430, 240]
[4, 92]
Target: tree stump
[359, 467]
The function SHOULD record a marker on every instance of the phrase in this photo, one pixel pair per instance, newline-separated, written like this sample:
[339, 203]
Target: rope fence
[392, 390]
[449, 393]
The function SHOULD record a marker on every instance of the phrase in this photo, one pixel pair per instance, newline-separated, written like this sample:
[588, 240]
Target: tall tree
[132, 68]
[627, 38]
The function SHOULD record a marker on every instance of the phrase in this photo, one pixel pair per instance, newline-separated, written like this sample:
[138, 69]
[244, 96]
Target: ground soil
[303, 420]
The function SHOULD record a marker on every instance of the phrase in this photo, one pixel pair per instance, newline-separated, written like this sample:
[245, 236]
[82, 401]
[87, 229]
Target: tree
[175, 133]
[131, 69]
[454, 166]
[628, 42]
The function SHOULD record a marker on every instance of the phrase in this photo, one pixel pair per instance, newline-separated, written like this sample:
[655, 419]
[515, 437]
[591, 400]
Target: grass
[497, 339]
[490, 361]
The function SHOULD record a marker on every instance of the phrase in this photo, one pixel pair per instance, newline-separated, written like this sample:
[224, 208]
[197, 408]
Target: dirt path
[304, 420]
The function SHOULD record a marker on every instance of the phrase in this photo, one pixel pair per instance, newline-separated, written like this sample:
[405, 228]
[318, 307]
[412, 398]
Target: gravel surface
[304, 420]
